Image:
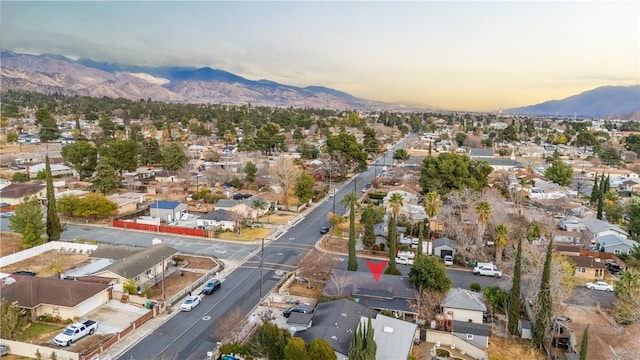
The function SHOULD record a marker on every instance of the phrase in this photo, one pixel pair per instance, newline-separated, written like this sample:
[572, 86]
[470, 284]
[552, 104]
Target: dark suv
[614, 268]
[305, 309]
[211, 287]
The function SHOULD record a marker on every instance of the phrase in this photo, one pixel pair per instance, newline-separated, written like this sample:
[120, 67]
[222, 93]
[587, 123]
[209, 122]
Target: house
[381, 231]
[567, 237]
[572, 223]
[15, 193]
[394, 337]
[465, 305]
[56, 170]
[145, 266]
[167, 176]
[168, 211]
[334, 321]
[588, 267]
[573, 250]
[127, 202]
[410, 205]
[63, 298]
[597, 228]
[477, 334]
[616, 245]
[244, 207]
[444, 246]
[218, 219]
[388, 293]
[497, 163]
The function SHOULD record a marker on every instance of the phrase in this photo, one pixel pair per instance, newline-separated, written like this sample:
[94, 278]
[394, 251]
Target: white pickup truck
[75, 332]
[487, 269]
[404, 260]
[407, 254]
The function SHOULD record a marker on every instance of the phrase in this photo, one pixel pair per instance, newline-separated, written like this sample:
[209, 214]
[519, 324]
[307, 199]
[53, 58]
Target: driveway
[115, 316]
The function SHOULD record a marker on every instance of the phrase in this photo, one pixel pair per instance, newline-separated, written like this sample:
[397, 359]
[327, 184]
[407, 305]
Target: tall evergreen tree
[514, 297]
[607, 184]
[420, 237]
[584, 344]
[544, 301]
[594, 190]
[350, 200]
[54, 229]
[601, 198]
[363, 345]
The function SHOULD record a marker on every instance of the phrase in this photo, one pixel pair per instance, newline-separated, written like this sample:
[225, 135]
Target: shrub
[20, 177]
[78, 240]
[395, 271]
[475, 287]
[377, 195]
[376, 247]
[178, 259]
[382, 246]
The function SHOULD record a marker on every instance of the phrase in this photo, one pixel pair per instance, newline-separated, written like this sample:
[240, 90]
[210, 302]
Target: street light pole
[163, 297]
[261, 267]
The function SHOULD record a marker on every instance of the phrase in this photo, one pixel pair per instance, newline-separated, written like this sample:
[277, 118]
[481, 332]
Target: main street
[192, 335]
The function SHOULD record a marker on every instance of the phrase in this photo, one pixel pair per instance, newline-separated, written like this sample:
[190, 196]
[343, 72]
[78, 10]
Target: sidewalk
[150, 326]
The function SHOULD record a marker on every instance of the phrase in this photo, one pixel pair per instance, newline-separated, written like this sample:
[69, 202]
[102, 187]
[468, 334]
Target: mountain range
[58, 74]
[622, 102]
[49, 73]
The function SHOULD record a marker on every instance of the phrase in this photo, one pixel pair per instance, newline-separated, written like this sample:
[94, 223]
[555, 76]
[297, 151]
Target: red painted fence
[159, 228]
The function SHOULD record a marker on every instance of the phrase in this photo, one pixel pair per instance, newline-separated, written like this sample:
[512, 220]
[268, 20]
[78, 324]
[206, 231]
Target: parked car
[7, 214]
[305, 309]
[4, 204]
[563, 318]
[487, 269]
[190, 303]
[448, 260]
[324, 230]
[332, 192]
[75, 332]
[613, 268]
[4, 350]
[24, 272]
[404, 260]
[211, 287]
[599, 285]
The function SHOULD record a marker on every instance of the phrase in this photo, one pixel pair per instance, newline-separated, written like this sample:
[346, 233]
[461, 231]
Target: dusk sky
[478, 56]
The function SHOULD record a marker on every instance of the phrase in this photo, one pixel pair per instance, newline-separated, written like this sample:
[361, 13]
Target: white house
[597, 228]
[572, 223]
[218, 219]
[465, 305]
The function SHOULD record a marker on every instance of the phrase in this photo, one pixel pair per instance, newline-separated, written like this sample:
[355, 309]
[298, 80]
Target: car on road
[4, 204]
[487, 269]
[4, 350]
[448, 260]
[304, 309]
[599, 285]
[211, 287]
[332, 193]
[324, 230]
[190, 303]
[7, 214]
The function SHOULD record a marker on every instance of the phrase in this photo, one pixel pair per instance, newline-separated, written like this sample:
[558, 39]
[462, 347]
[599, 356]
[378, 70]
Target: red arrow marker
[377, 268]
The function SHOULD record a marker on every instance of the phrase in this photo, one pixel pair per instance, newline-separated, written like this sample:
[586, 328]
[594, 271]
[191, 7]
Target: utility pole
[261, 267]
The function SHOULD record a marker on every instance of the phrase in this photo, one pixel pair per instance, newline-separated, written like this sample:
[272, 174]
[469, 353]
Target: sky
[474, 56]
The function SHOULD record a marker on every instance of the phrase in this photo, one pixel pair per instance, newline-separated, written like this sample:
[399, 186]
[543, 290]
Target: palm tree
[395, 203]
[259, 204]
[501, 240]
[432, 205]
[484, 212]
[350, 200]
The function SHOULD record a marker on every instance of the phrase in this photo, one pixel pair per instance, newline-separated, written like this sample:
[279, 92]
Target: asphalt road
[190, 336]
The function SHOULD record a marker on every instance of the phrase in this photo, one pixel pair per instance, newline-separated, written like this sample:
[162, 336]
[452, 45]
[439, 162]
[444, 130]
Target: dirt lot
[9, 243]
[48, 264]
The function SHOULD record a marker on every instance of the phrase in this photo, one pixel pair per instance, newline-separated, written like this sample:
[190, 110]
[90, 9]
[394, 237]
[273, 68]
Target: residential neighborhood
[472, 219]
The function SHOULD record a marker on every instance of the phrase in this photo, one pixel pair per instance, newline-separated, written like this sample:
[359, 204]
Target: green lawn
[37, 330]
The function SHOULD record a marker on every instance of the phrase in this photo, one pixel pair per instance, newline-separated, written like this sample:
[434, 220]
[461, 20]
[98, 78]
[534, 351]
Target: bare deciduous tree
[426, 304]
[316, 266]
[286, 174]
[339, 284]
[230, 326]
